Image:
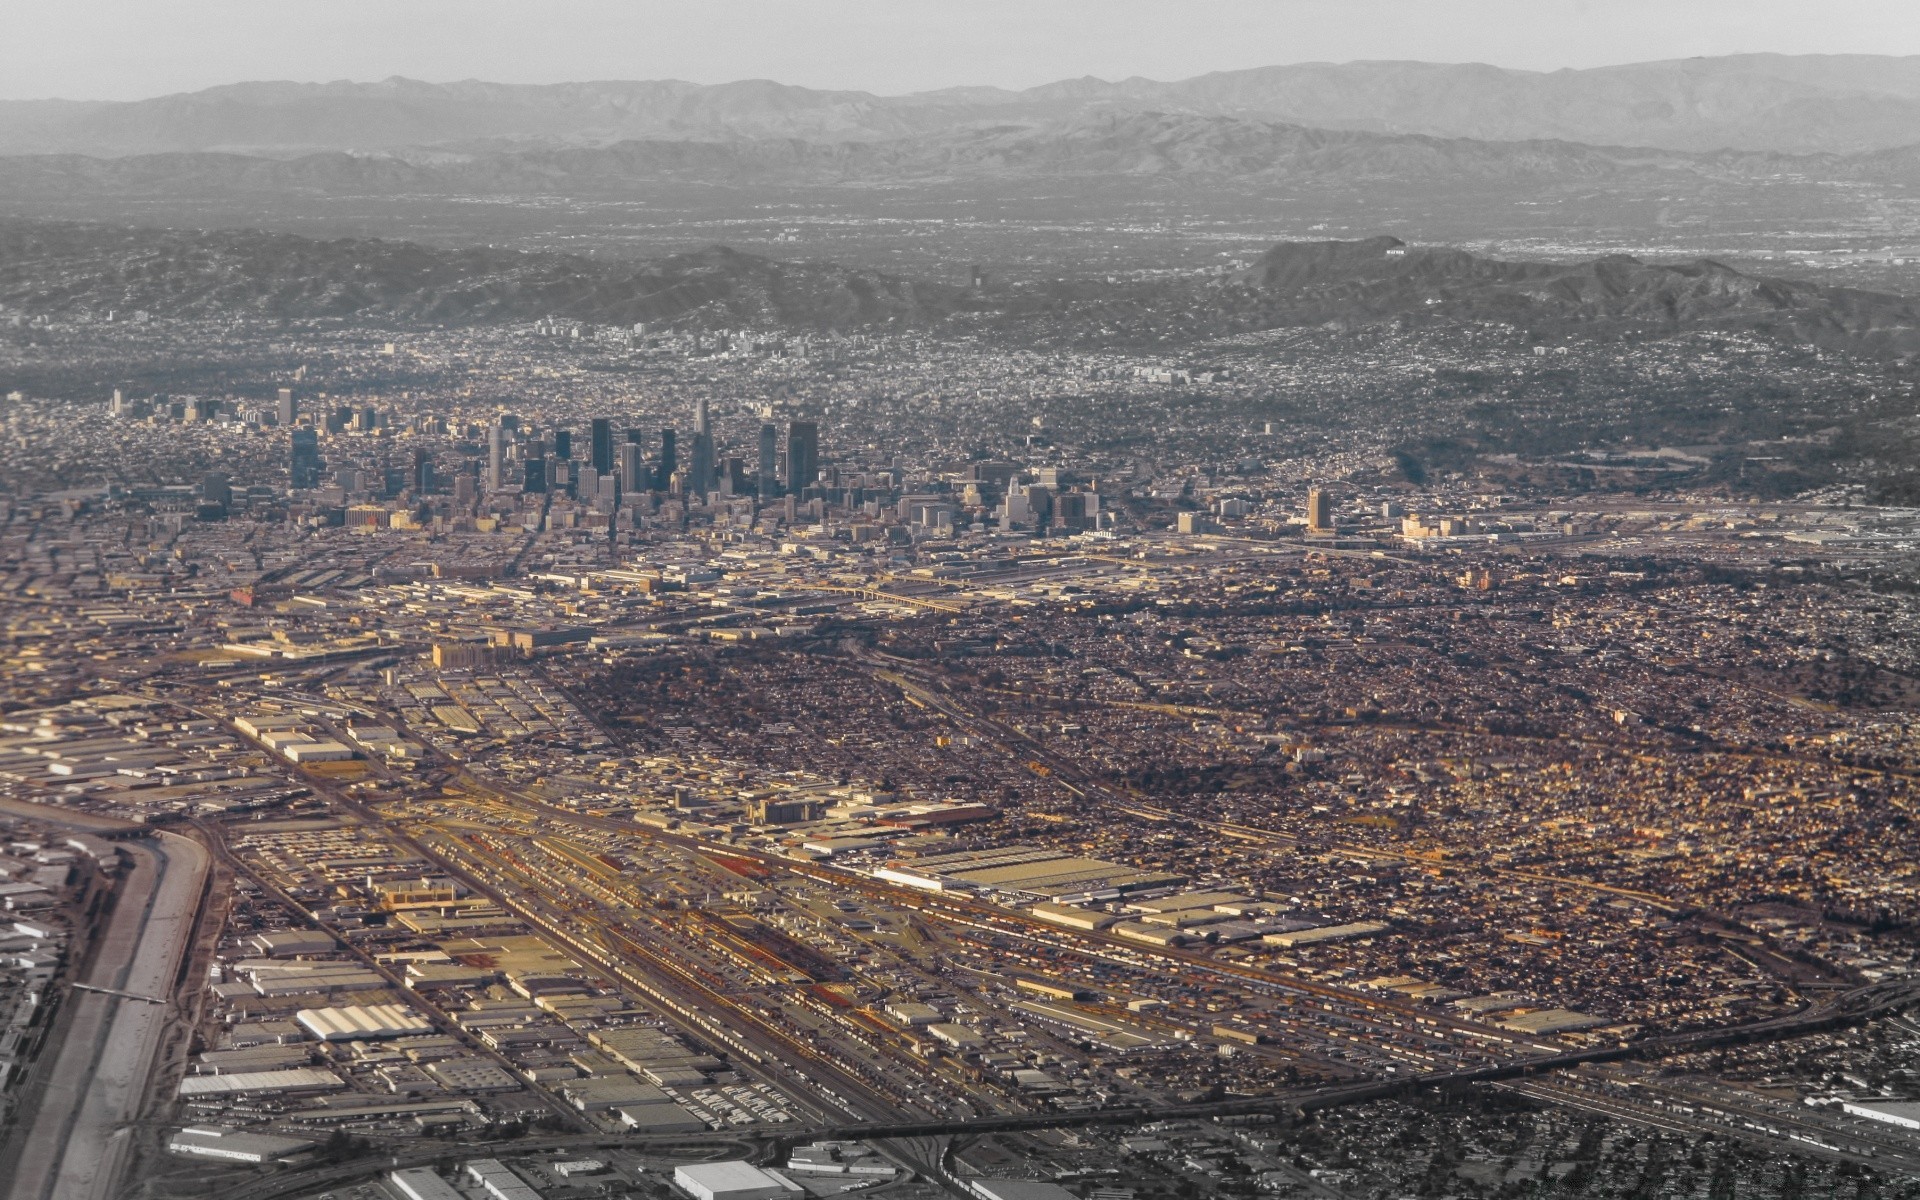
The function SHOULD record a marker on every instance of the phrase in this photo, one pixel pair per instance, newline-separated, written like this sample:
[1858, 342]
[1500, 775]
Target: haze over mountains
[1791, 104]
[1184, 147]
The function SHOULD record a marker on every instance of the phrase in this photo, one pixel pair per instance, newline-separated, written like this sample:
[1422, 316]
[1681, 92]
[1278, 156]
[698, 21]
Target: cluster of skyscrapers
[617, 463]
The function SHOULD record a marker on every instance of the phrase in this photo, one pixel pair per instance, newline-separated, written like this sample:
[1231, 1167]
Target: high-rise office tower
[533, 473]
[633, 469]
[215, 490]
[422, 472]
[700, 466]
[586, 484]
[1319, 511]
[769, 464]
[803, 455]
[602, 445]
[669, 461]
[304, 446]
[497, 457]
[700, 470]
[562, 444]
[286, 411]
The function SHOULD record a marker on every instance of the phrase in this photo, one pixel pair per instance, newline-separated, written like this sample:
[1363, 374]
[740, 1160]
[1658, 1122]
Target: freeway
[1856, 1006]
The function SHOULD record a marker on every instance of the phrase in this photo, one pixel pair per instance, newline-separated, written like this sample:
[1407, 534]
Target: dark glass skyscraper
[769, 464]
[633, 469]
[669, 460]
[304, 446]
[602, 445]
[562, 444]
[803, 455]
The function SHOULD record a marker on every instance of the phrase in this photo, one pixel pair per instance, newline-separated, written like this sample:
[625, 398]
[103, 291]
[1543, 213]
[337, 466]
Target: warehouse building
[732, 1181]
[231, 1145]
[499, 1182]
[1326, 933]
[422, 1183]
[300, 1080]
[1903, 1113]
[357, 1023]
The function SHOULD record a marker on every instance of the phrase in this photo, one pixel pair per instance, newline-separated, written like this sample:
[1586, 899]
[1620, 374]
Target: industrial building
[1904, 1113]
[422, 1183]
[355, 1023]
[1325, 933]
[301, 1080]
[732, 1181]
[232, 1145]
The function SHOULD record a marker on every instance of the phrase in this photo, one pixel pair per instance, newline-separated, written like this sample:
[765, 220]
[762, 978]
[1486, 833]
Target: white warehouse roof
[354, 1022]
[303, 1079]
[731, 1181]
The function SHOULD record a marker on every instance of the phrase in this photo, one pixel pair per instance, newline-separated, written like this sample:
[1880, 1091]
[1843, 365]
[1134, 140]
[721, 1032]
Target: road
[79, 1143]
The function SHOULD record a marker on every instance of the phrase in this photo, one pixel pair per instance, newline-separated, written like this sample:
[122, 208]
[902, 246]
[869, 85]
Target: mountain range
[66, 268]
[1796, 104]
[1190, 149]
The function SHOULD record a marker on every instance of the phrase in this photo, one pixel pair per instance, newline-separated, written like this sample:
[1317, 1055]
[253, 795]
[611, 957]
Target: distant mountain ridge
[1201, 149]
[1799, 104]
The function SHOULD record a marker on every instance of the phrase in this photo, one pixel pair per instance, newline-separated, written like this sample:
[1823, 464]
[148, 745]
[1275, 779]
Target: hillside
[1383, 278]
[1800, 104]
[65, 269]
[1381, 281]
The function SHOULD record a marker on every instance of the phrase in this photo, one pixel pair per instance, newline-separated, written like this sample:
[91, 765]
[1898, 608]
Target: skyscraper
[497, 457]
[304, 448]
[769, 464]
[803, 455]
[534, 475]
[562, 444]
[422, 472]
[669, 461]
[1319, 511]
[700, 468]
[286, 411]
[602, 445]
[633, 469]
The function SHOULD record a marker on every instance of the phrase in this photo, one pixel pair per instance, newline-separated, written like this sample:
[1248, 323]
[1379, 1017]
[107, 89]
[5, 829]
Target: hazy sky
[126, 49]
